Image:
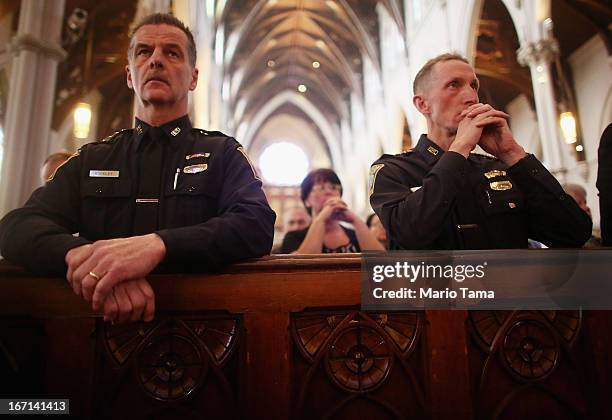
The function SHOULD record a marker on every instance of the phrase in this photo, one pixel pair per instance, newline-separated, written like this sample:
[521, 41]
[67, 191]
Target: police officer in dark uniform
[604, 184]
[162, 195]
[442, 196]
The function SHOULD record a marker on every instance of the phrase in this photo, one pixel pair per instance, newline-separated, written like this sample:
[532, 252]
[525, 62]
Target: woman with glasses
[321, 193]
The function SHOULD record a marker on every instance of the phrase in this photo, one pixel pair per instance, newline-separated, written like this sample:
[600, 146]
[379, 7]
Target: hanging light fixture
[82, 120]
[569, 121]
[568, 127]
[82, 112]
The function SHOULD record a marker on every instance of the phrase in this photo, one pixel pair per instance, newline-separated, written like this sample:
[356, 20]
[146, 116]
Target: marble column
[37, 51]
[539, 56]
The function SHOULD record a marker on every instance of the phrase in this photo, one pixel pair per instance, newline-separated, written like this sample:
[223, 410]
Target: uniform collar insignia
[174, 129]
[428, 149]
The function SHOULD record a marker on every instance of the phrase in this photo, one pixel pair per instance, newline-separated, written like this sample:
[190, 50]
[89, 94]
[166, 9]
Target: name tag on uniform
[413, 189]
[195, 169]
[103, 174]
[500, 185]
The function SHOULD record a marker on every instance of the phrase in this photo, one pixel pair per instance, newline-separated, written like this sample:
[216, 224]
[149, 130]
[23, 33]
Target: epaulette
[114, 135]
[211, 133]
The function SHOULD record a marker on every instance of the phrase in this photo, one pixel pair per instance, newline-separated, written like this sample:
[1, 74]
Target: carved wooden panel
[528, 365]
[171, 368]
[351, 364]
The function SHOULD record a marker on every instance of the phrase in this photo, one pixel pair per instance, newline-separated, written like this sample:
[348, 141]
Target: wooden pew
[283, 337]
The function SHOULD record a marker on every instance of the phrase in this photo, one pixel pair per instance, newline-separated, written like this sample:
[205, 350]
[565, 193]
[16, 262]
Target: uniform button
[535, 171]
[192, 188]
[99, 190]
[562, 197]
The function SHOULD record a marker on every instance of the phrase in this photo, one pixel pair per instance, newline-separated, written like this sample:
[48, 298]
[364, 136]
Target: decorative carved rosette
[170, 367]
[311, 331]
[171, 356]
[530, 350]
[357, 352]
[529, 342]
[359, 359]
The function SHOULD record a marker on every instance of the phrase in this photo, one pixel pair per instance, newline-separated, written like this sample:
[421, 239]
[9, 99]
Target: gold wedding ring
[94, 275]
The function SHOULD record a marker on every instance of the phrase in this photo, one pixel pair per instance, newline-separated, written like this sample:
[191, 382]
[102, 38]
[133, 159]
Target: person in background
[580, 196]
[296, 218]
[321, 192]
[50, 165]
[377, 229]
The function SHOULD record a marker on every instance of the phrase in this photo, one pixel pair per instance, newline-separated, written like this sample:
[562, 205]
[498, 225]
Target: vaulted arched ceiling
[272, 46]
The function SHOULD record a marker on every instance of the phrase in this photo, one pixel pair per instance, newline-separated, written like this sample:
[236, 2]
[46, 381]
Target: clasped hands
[111, 274]
[488, 127]
[335, 209]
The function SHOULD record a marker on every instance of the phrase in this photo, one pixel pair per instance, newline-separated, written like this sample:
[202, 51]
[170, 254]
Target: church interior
[303, 85]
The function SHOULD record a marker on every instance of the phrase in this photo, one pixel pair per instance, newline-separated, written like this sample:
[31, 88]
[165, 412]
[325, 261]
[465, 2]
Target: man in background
[376, 227]
[580, 196]
[50, 165]
[296, 218]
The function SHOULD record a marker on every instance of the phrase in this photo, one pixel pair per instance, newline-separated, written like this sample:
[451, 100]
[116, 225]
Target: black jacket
[431, 199]
[293, 240]
[206, 219]
[604, 185]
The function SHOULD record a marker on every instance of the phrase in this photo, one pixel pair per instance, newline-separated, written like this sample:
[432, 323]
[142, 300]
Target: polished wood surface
[283, 337]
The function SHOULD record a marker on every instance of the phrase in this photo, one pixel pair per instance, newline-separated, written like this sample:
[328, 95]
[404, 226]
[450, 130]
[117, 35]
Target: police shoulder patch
[246, 156]
[372, 178]
[75, 154]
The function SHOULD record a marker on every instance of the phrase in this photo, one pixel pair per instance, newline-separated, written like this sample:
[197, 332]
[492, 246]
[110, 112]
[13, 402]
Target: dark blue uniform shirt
[431, 199]
[212, 209]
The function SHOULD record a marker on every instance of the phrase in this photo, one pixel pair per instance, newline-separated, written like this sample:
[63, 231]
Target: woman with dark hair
[321, 191]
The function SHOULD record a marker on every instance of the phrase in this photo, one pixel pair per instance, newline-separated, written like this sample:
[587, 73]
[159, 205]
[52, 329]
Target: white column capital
[544, 50]
[30, 42]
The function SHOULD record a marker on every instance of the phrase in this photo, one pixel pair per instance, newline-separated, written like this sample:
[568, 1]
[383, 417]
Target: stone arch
[247, 130]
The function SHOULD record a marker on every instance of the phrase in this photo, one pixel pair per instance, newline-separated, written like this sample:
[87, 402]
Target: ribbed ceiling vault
[270, 47]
